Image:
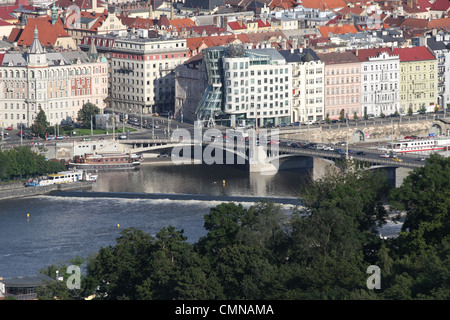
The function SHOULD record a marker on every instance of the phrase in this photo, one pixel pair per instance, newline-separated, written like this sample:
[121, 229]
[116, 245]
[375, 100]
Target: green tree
[410, 111]
[425, 196]
[40, 125]
[87, 113]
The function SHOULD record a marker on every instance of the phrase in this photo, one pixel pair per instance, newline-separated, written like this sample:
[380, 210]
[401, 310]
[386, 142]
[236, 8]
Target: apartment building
[418, 78]
[380, 76]
[247, 87]
[307, 84]
[342, 85]
[142, 72]
[59, 83]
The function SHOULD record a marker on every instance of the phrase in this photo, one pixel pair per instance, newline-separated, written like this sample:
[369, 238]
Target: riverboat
[106, 161]
[420, 145]
[62, 177]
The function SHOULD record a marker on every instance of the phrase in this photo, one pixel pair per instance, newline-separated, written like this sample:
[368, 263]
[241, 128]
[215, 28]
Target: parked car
[9, 128]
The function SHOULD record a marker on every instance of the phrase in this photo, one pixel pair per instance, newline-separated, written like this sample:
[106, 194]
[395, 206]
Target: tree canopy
[320, 250]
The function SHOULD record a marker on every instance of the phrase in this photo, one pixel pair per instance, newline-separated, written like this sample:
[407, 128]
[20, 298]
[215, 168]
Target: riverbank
[19, 190]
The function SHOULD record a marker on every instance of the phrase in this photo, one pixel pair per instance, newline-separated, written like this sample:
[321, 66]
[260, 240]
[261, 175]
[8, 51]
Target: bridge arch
[436, 129]
[358, 136]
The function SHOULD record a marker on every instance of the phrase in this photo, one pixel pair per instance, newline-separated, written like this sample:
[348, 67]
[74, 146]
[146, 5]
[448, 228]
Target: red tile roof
[285, 4]
[323, 4]
[365, 54]
[48, 33]
[414, 54]
[443, 23]
[235, 25]
[440, 5]
[336, 29]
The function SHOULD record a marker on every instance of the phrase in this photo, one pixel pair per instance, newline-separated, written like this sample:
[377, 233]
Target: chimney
[283, 44]
[150, 9]
[295, 43]
[94, 5]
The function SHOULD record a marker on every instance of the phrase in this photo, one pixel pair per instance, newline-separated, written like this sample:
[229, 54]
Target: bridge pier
[259, 163]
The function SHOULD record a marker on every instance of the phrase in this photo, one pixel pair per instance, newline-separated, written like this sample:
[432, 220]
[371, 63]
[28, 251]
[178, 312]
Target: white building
[380, 81]
[308, 84]
[59, 83]
[142, 72]
[258, 87]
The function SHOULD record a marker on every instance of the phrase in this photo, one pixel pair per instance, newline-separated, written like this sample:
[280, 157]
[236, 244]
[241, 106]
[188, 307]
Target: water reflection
[215, 180]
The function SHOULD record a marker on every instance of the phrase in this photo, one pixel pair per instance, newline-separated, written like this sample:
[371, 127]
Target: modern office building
[247, 87]
[59, 83]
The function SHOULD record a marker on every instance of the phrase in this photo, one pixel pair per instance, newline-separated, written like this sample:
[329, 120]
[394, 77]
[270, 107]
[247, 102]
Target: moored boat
[106, 161]
[62, 177]
[420, 145]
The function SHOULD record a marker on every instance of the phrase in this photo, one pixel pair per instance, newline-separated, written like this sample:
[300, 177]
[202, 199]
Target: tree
[327, 119]
[87, 113]
[410, 111]
[40, 125]
[425, 196]
[355, 115]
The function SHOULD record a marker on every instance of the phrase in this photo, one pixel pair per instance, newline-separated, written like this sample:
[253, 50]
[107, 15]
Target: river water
[40, 231]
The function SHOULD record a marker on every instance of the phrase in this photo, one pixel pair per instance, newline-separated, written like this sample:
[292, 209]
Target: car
[283, 125]
[384, 155]
[163, 155]
[9, 128]
[122, 137]
[86, 139]
[420, 159]
[408, 137]
[397, 159]
[328, 148]
[361, 153]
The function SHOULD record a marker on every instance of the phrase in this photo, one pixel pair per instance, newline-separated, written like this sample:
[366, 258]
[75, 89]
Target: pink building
[342, 84]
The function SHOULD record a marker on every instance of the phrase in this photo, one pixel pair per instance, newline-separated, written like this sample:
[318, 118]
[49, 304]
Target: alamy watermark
[234, 146]
[374, 281]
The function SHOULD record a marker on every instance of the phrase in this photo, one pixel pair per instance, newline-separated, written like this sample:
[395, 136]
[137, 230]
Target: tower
[54, 14]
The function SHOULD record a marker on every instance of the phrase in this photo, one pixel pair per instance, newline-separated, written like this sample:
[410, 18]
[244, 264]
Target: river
[40, 231]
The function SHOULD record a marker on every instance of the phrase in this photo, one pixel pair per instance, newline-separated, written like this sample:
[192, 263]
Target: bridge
[267, 159]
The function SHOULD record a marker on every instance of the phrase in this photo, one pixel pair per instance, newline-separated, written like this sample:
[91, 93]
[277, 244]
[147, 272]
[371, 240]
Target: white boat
[62, 177]
[420, 145]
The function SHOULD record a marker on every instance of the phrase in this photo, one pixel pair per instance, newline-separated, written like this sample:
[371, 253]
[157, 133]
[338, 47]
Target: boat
[62, 177]
[106, 161]
[425, 145]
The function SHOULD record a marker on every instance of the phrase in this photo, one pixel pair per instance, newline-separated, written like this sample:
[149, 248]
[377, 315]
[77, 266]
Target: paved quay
[19, 190]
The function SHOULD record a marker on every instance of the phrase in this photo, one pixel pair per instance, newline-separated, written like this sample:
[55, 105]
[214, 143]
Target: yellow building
[418, 79]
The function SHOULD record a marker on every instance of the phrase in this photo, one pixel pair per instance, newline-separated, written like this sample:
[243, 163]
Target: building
[380, 76]
[342, 85]
[142, 72]
[59, 83]
[418, 78]
[23, 288]
[246, 87]
[190, 83]
[307, 84]
[85, 23]
[51, 30]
